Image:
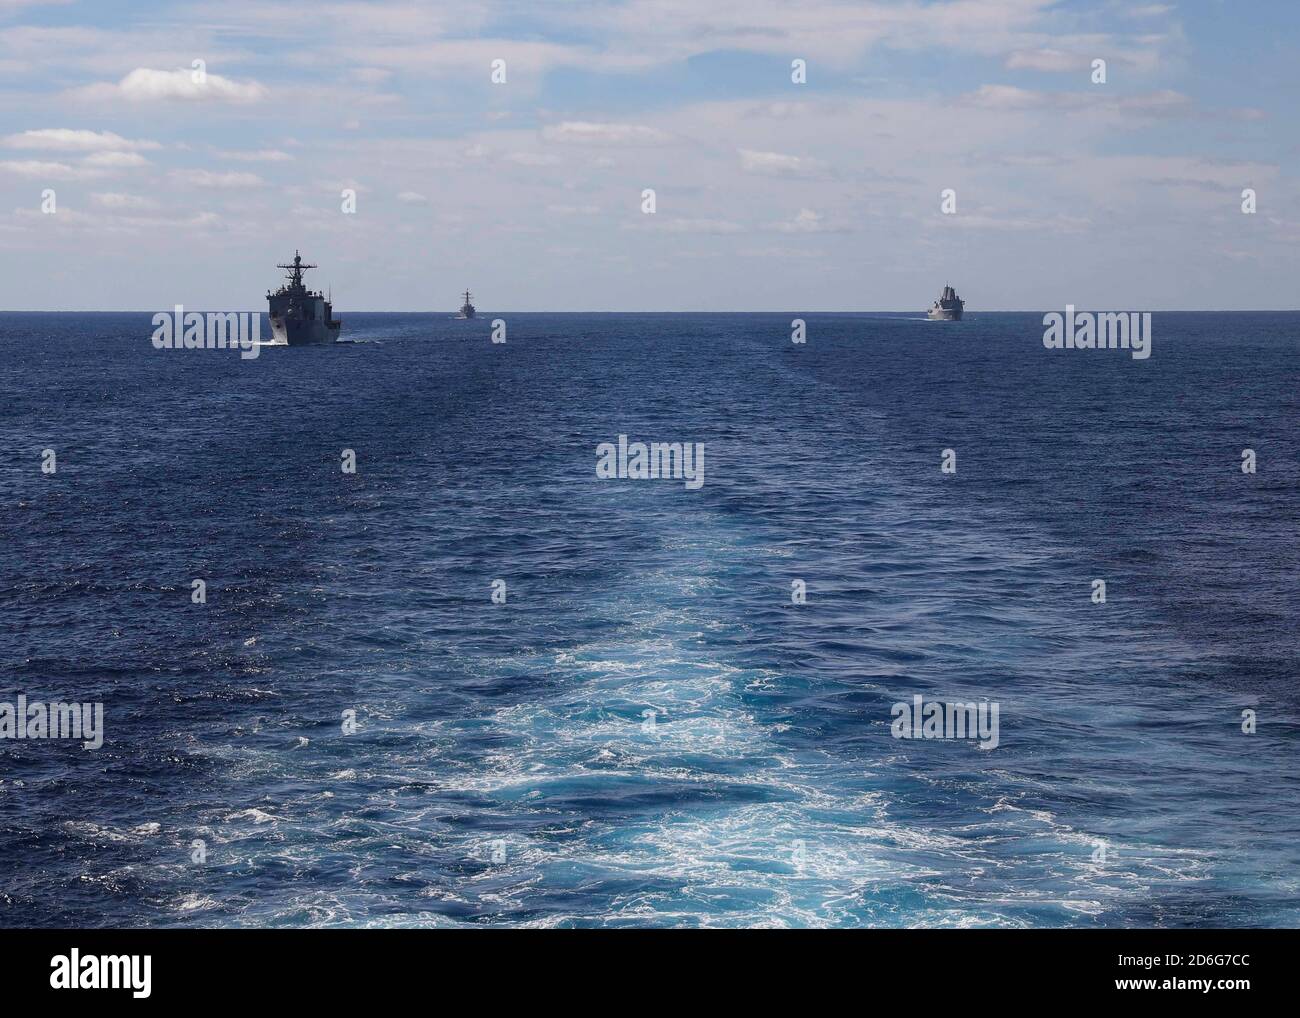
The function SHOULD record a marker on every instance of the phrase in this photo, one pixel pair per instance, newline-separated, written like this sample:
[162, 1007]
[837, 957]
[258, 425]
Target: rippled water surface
[649, 732]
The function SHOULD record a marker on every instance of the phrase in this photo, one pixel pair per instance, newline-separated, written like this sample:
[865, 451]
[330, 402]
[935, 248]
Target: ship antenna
[296, 269]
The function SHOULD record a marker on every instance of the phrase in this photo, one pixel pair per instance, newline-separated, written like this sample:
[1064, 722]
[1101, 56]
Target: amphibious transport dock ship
[948, 307]
[299, 316]
[466, 309]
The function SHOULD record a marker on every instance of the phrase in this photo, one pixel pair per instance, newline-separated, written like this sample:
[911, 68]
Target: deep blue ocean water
[502, 772]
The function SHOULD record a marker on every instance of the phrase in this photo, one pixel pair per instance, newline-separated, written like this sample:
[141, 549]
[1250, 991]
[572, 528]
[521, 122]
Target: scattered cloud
[744, 160]
[533, 159]
[1051, 60]
[1078, 59]
[371, 75]
[266, 155]
[807, 221]
[116, 220]
[574, 210]
[715, 226]
[1058, 225]
[1162, 103]
[209, 178]
[115, 160]
[46, 170]
[1009, 97]
[117, 201]
[62, 139]
[775, 164]
[145, 84]
[587, 133]
[14, 5]
[1144, 10]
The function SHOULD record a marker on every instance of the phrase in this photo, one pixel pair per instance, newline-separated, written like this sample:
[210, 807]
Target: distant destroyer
[948, 307]
[301, 317]
[466, 309]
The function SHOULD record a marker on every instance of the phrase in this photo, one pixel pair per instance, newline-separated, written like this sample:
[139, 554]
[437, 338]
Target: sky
[176, 182]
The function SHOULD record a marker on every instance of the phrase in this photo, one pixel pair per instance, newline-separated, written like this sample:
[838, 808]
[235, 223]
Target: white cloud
[1008, 97]
[1147, 11]
[145, 84]
[1052, 60]
[574, 210]
[46, 170]
[533, 159]
[115, 160]
[118, 201]
[207, 178]
[266, 155]
[371, 75]
[1058, 224]
[820, 30]
[62, 139]
[784, 252]
[14, 5]
[775, 164]
[1163, 103]
[717, 226]
[412, 198]
[805, 221]
[1078, 60]
[116, 220]
[587, 133]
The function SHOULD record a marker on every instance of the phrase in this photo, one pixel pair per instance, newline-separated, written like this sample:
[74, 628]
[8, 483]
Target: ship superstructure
[948, 308]
[466, 309]
[301, 317]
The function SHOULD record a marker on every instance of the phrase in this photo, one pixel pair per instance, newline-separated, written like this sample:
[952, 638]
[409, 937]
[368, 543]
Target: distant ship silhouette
[948, 308]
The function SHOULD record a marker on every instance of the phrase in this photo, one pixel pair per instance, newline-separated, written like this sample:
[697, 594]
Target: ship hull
[945, 314]
[304, 332]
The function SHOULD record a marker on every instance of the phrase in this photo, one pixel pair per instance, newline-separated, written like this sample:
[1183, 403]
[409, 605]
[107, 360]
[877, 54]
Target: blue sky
[770, 195]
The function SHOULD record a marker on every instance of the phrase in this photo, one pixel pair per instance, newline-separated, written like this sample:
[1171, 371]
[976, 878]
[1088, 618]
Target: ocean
[650, 731]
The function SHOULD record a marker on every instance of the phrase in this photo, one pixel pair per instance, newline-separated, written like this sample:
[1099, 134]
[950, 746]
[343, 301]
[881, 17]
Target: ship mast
[295, 270]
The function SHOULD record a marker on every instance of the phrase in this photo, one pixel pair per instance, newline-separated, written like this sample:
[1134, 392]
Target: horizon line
[635, 311]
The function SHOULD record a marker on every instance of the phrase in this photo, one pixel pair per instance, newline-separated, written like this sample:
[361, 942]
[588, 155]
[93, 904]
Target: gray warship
[466, 309]
[301, 317]
[948, 307]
